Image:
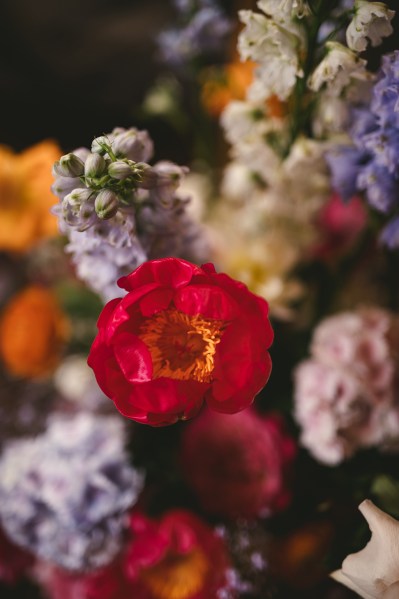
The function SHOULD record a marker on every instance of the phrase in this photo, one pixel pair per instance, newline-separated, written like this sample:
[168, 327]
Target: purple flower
[65, 495]
[203, 32]
[121, 211]
[371, 164]
[345, 163]
[381, 187]
[390, 234]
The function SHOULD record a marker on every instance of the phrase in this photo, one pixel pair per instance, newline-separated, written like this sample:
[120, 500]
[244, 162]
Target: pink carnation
[239, 464]
[346, 393]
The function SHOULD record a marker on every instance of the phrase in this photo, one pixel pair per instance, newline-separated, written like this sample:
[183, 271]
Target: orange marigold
[25, 196]
[33, 331]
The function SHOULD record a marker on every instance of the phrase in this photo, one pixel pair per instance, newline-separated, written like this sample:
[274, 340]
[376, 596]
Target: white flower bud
[120, 170]
[95, 165]
[69, 165]
[106, 204]
[372, 21]
[78, 196]
[99, 144]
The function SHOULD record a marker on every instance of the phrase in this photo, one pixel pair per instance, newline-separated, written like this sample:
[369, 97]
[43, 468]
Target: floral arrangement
[200, 366]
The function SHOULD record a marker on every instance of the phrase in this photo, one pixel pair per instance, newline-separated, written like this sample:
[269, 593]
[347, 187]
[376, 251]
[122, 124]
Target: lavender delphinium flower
[65, 495]
[371, 165]
[203, 32]
[118, 211]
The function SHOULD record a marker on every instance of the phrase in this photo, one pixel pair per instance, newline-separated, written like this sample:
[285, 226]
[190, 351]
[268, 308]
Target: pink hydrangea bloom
[346, 394]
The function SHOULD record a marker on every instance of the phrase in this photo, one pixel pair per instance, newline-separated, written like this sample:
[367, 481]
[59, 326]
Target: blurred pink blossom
[346, 394]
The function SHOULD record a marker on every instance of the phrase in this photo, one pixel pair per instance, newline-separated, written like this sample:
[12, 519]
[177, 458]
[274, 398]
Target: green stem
[300, 120]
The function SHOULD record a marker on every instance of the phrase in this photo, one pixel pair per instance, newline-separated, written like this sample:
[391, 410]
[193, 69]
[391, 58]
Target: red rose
[238, 465]
[182, 334]
[179, 556]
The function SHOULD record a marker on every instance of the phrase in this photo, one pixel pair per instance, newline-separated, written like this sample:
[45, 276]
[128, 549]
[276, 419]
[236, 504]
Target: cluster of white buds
[97, 184]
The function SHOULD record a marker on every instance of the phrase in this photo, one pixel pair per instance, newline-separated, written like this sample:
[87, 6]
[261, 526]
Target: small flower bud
[100, 145]
[133, 144]
[95, 165]
[69, 166]
[82, 153]
[106, 204]
[120, 170]
[78, 196]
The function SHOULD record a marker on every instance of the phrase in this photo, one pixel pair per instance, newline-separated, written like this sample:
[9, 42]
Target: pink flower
[345, 394]
[238, 465]
[178, 556]
[340, 224]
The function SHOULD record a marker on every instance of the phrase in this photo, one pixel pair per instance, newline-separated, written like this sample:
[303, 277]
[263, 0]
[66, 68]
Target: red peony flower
[179, 557]
[182, 334]
[238, 465]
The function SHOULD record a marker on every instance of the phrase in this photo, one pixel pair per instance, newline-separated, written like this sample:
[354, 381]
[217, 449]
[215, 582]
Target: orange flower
[32, 333]
[220, 88]
[25, 196]
[299, 558]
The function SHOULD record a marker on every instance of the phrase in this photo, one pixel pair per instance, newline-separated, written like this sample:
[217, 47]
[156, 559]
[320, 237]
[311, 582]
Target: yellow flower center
[177, 576]
[182, 347]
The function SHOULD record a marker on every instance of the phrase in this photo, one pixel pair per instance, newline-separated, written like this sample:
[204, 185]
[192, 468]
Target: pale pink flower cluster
[346, 394]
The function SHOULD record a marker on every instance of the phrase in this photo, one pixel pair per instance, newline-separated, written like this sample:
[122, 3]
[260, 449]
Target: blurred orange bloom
[25, 196]
[33, 330]
[231, 83]
[220, 88]
[299, 559]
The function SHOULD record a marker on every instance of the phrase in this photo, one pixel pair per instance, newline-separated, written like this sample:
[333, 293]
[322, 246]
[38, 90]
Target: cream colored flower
[372, 21]
[284, 8]
[276, 47]
[373, 572]
[337, 69]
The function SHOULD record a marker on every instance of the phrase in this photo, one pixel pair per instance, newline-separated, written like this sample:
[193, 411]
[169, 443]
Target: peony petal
[162, 401]
[242, 369]
[133, 357]
[207, 300]
[156, 301]
[171, 272]
[209, 268]
[107, 312]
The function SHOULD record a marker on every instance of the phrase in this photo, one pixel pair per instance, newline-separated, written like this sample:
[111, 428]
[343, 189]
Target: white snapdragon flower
[372, 21]
[331, 115]
[373, 572]
[284, 9]
[241, 120]
[337, 69]
[276, 48]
